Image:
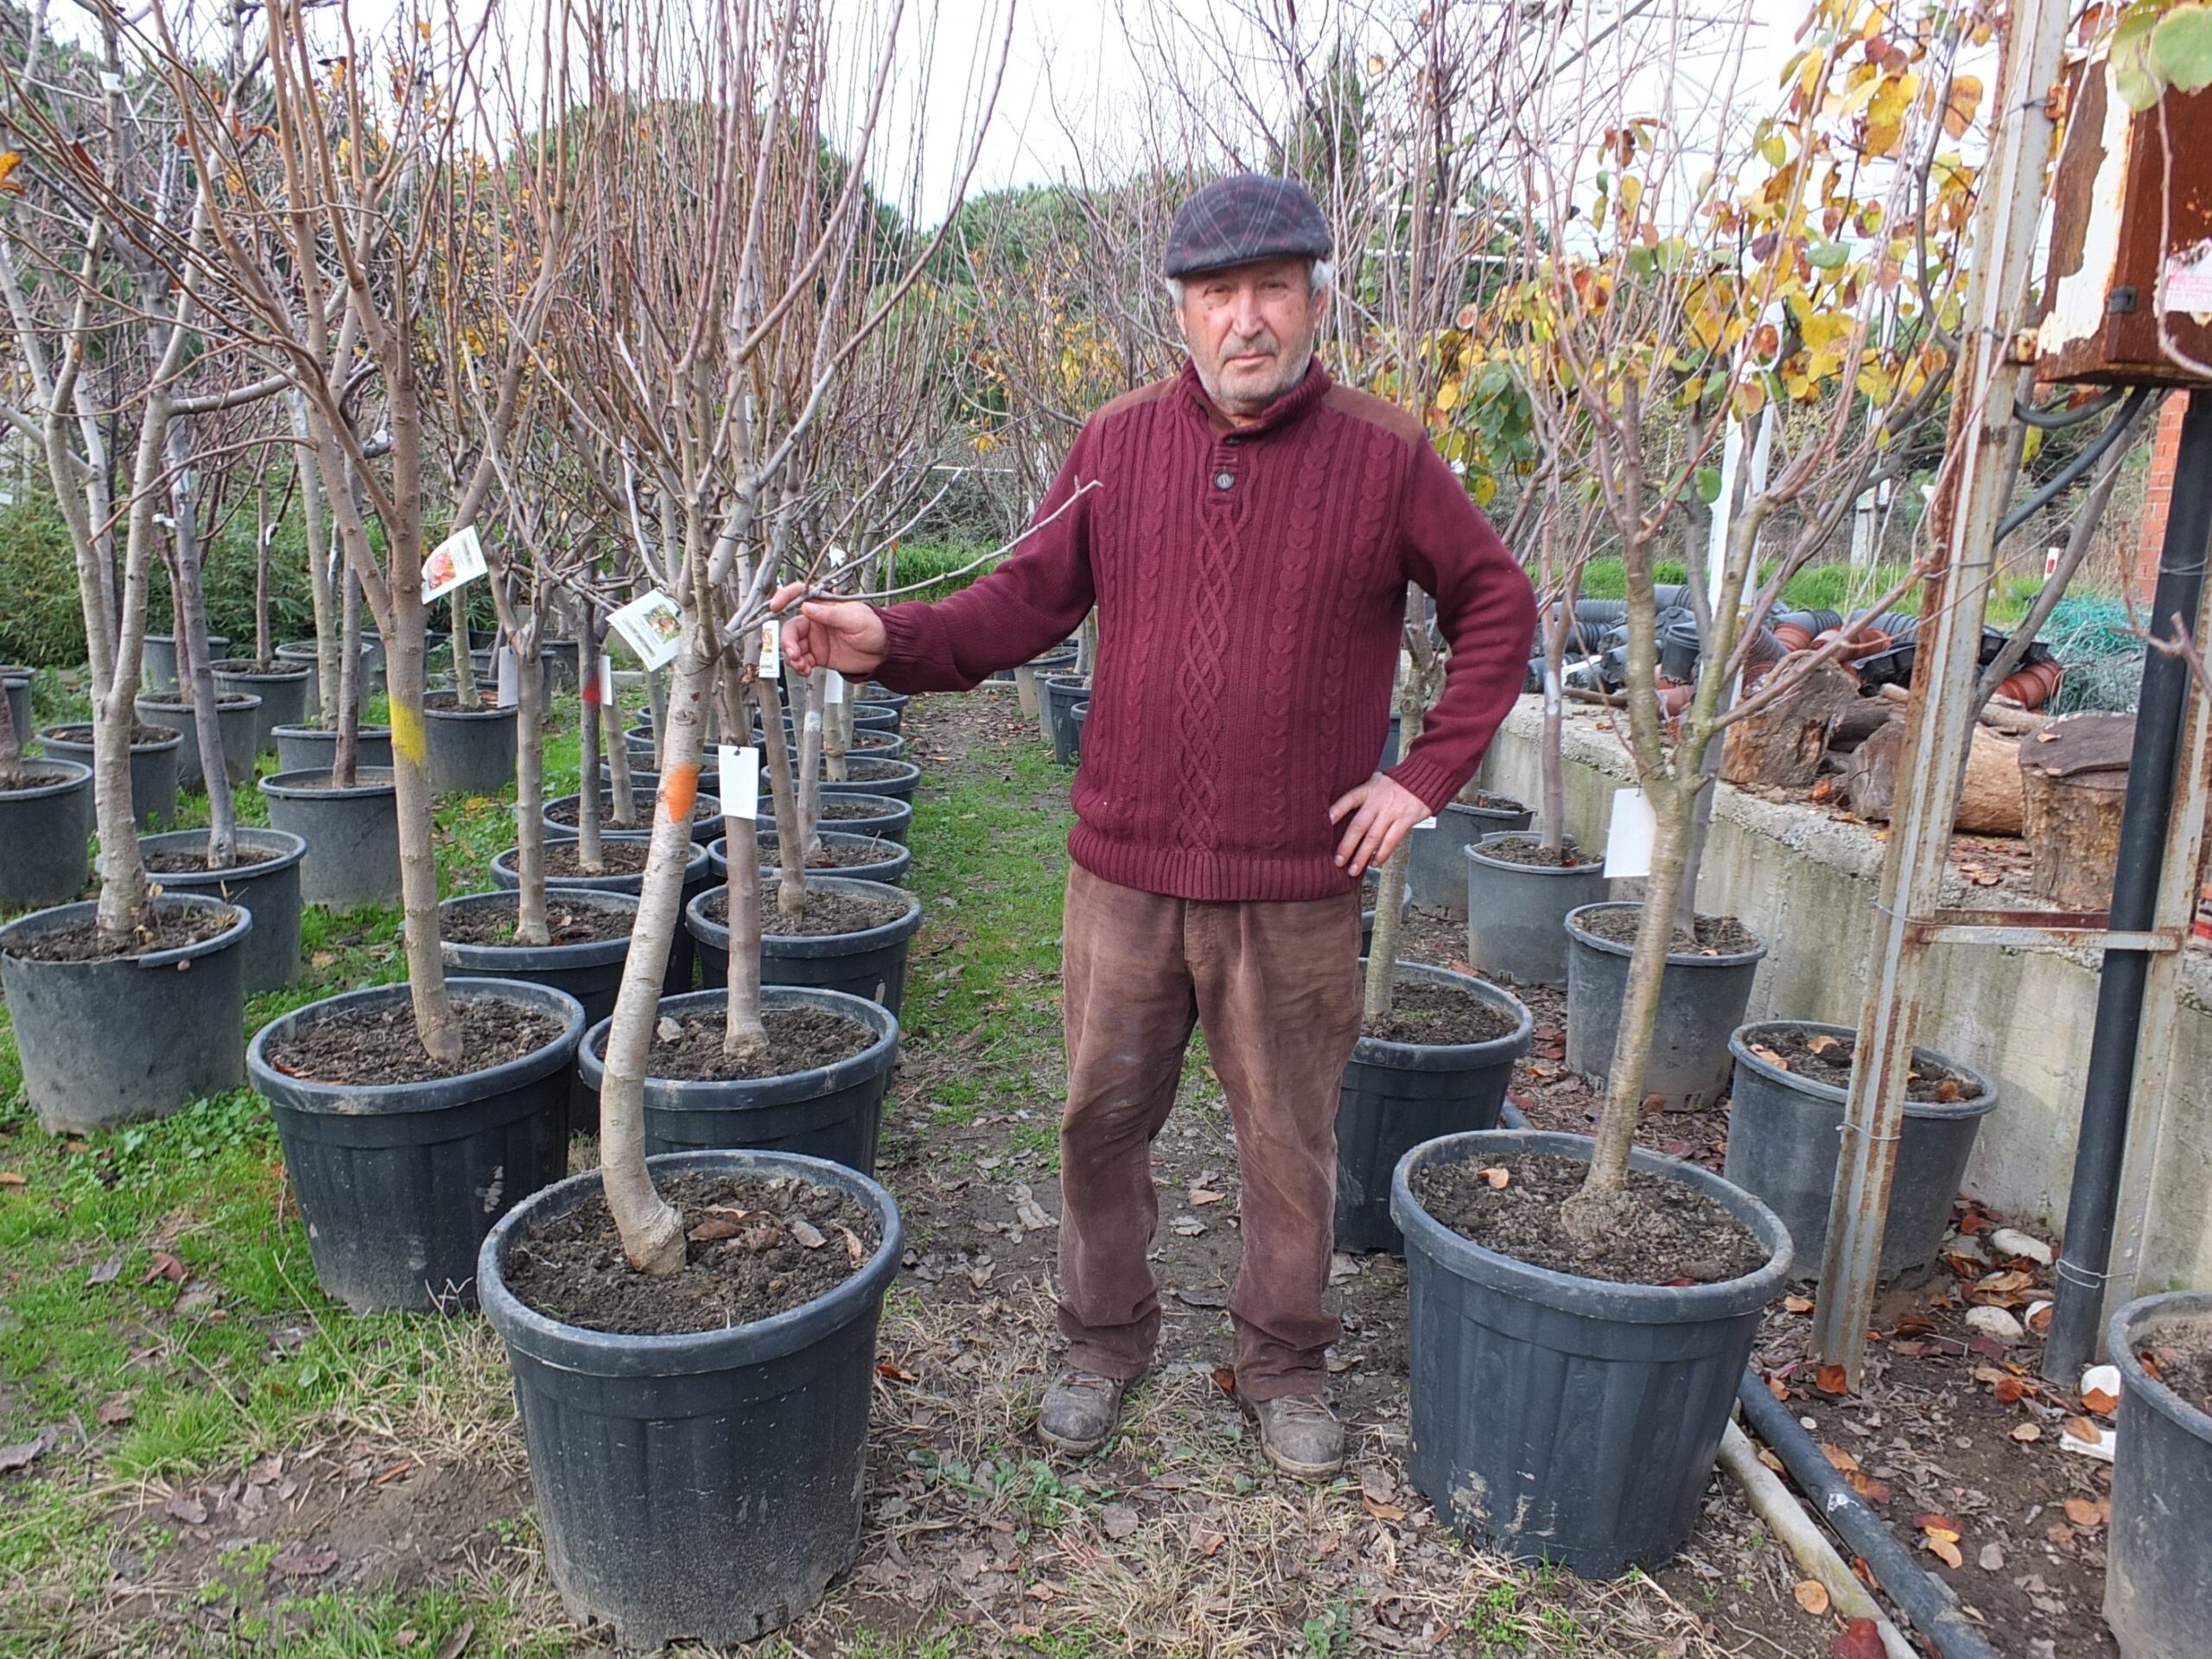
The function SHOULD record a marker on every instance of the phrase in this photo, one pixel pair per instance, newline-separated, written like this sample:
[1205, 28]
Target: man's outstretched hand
[840, 633]
[1375, 815]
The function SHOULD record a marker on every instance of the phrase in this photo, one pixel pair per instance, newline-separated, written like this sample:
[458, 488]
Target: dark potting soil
[1717, 935]
[564, 858]
[379, 1045]
[446, 702]
[799, 1039]
[757, 1249]
[861, 771]
[192, 861]
[247, 666]
[231, 699]
[1422, 1011]
[34, 776]
[329, 780]
[826, 915]
[1674, 1235]
[1825, 1059]
[1488, 803]
[1520, 850]
[139, 734]
[843, 858]
[2179, 1355]
[836, 810]
[568, 920]
[164, 927]
[704, 807]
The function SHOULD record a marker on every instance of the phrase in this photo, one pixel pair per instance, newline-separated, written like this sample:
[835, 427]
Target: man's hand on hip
[1376, 816]
[840, 633]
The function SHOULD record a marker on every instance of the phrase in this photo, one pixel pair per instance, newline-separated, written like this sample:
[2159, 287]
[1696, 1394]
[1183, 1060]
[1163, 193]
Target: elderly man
[1248, 550]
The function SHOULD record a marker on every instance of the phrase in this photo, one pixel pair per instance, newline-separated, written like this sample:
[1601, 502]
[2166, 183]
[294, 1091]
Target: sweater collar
[1291, 407]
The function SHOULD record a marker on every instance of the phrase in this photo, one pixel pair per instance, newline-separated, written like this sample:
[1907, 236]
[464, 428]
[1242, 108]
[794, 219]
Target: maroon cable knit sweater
[1250, 585]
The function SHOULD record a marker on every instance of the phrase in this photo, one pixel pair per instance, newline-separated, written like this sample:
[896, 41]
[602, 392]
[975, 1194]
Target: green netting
[2097, 641]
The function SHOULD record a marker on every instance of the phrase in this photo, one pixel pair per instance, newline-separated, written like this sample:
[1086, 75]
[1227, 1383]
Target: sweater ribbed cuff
[1428, 778]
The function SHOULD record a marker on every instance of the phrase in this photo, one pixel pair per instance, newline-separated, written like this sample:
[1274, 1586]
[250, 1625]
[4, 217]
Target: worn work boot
[1079, 1412]
[1300, 1436]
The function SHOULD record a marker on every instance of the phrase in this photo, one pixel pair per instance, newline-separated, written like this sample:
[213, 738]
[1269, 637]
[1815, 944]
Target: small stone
[1991, 1558]
[1995, 1323]
[2010, 1241]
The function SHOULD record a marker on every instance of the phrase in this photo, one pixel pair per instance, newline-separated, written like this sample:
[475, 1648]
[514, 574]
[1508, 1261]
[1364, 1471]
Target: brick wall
[2143, 581]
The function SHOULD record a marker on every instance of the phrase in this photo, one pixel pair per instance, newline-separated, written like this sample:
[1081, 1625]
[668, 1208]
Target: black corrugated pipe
[1602, 613]
[1765, 649]
[1671, 595]
[2094, 1198]
[1917, 1594]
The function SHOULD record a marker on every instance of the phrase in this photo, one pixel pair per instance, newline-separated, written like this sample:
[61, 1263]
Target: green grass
[1820, 587]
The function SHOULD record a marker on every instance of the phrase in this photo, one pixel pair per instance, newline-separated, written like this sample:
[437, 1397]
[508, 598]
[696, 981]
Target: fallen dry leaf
[2027, 1432]
[1381, 1511]
[188, 1509]
[1832, 1379]
[114, 1412]
[1841, 1459]
[1201, 1195]
[1797, 1304]
[8, 1177]
[1812, 1595]
[105, 1272]
[2082, 1429]
[2098, 1401]
[1772, 1058]
[13, 1458]
[297, 1563]
[163, 1266]
[1773, 1462]
[807, 1233]
[1860, 1639]
[456, 1644]
[1498, 1179]
[1945, 1550]
[1122, 1522]
[1207, 1543]
[2087, 1512]
[715, 1227]
[886, 1368]
[1874, 1490]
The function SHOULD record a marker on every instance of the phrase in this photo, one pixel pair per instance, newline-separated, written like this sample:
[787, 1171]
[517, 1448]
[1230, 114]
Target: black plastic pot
[683, 954]
[303, 650]
[238, 721]
[1564, 1419]
[399, 1183]
[704, 1487]
[826, 1111]
[870, 964]
[1784, 1132]
[265, 880]
[18, 687]
[1058, 694]
[1389, 755]
[559, 658]
[590, 972]
[896, 781]
[153, 772]
[887, 820]
[472, 750]
[2158, 1553]
[157, 661]
[105, 1043]
[44, 828]
[1701, 1000]
[1394, 1095]
[884, 696]
[1516, 913]
[1436, 868]
[877, 717]
[285, 694]
[889, 865]
[310, 749]
[352, 834]
[703, 829]
[1078, 718]
[866, 746]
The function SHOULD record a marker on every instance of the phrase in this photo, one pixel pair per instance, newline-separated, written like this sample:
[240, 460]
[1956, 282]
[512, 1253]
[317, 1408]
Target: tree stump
[1780, 746]
[2074, 784]
[1989, 803]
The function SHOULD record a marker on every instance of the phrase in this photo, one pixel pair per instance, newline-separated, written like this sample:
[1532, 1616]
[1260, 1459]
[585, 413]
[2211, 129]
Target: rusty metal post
[1941, 711]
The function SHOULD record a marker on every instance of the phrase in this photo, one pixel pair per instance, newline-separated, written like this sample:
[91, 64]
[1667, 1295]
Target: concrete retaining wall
[1806, 884]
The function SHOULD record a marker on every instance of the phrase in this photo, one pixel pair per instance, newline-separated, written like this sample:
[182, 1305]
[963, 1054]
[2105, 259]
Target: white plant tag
[833, 689]
[739, 780]
[600, 692]
[771, 649]
[1629, 838]
[458, 559]
[652, 627]
[510, 672]
[268, 534]
[109, 81]
[1428, 822]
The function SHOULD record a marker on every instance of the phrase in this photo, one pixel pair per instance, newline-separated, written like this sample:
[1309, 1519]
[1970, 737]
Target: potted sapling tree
[284, 687]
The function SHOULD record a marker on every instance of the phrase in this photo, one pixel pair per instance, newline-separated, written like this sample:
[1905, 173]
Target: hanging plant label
[456, 560]
[739, 780]
[833, 689]
[510, 675]
[1629, 836]
[772, 650]
[652, 627]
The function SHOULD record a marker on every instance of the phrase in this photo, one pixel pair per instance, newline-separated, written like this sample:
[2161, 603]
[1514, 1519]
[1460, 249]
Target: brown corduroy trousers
[1275, 986]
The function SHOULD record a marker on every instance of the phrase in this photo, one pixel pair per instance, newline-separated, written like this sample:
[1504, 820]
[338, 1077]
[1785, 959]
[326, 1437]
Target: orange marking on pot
[679, 792]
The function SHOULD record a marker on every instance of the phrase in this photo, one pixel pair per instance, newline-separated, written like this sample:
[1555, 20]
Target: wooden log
[2074, 784]
[1780, 746]
[1989, 805]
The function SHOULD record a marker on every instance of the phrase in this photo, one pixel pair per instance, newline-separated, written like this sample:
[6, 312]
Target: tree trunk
[1390, 898]
[836, 737]
[1551, 758]
[657, 701]
[810, 767]
[651, 1231]
[328, 639]
[744, 1033]
[464, 693]
[435, 1022]
[791, 838]
[531, 927]
[345, 717]
[265, 648]
[195, 672]
[590, 860]
[11, 747]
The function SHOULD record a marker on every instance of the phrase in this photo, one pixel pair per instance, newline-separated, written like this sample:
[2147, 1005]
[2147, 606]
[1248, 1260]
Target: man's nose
[1245, 315]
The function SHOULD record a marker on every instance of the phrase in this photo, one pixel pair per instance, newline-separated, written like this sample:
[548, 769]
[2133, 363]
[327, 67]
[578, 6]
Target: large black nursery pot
[1516, 913]
[313, 748]
[704, 1487]
[1701, 1000]
[706, 812]
[105, 1043]
[265, 880]
[1058, 694]
[879, 815]
[894, 779]
[1785, 1130]
[683, 954]
[887, 861]
[399, 1183]
[1079, 722]
[2158, 1554]
[157, 661]
[153, 768]
[283, 688]
[1436, 868]
[590, 971]
[877, 716]
[1565, 1418]
[826, 1111]
[371, 673]
[1394, 1095]
[352, 834]
[871, 963]
[472, 750]
[44, 828]
[17, 683]
[238, 722]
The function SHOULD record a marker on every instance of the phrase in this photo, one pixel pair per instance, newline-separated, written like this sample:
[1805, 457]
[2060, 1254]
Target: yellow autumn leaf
[1448, 396]
[1965, 98]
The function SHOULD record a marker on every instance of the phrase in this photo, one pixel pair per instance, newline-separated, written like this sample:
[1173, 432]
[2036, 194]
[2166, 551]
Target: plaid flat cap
[1244, 217]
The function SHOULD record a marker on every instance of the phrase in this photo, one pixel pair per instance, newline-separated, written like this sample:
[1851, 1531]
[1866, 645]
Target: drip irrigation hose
[2114, 430]
[2055, 415]
[1919, 1594]
[2109, 1081]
